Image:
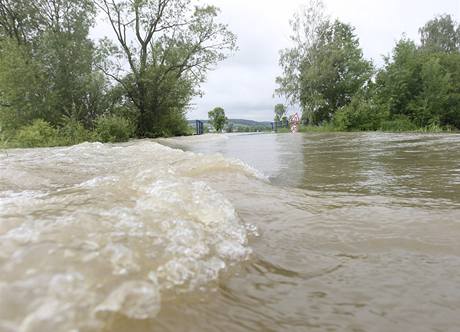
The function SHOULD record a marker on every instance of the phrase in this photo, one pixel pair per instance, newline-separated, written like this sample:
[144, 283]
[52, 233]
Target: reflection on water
[407, 165]
[352, 232]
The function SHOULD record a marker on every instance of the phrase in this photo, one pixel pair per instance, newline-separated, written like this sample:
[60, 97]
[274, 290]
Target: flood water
[289, 232]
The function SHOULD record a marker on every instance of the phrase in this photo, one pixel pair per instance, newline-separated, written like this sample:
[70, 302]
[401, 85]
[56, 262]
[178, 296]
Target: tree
[280, 112]
[230, 127]
[399, 80]
[47, 68]
[168, 47]
[450, 115]
[305, 26]
[217, 118]
[325, 69]
[20, 20]
[22, 91]
[441, 34]
[420, 86]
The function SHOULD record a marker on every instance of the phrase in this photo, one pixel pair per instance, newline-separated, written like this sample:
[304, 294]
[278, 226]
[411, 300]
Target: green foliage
[324, 128]
[361, 114]
[22, 91]
[46, 63]
[174, 124]
[230, 127]
[217, 118]
[450, 115]
[50, 69]
[280, 112]
[399, 123]
[58, 88]
[4, 139]
[420, 86]
[441, 34]
[38, 134]
[325, 69]
[336, 73]
[417, 89]
[113, 128]
[433, 128]
[176, 44]
[73, 132]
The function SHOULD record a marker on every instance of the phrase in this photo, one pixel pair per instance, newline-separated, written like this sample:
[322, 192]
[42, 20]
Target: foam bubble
[109, 231]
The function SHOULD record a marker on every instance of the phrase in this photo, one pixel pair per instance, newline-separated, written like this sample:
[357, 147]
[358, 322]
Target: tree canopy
[280, 112]
[441, 34]
[175, 45]
[146, 72]
[326, 74]
[217, 118]
[329, 66]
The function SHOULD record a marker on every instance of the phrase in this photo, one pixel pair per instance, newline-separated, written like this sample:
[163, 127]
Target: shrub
[38, 134]
[433, 128]
[400, 123]
[324, 127]
[360, 114]
[73, 132]
[173, 124]
[113, 128]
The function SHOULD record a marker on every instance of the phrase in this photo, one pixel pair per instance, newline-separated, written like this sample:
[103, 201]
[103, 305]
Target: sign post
[294, 122]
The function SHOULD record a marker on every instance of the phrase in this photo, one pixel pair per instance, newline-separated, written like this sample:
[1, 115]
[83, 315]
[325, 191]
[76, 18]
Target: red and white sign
[294, 122]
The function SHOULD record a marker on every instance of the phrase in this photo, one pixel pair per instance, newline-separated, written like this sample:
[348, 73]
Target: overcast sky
[244, 84]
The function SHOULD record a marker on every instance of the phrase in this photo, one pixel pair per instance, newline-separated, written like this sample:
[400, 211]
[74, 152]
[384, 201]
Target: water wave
[94, 230]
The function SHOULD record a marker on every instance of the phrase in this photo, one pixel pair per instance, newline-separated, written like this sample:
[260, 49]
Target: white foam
[111, 229]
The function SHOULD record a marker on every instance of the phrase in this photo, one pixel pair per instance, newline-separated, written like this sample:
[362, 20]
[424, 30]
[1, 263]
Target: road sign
[294, 122]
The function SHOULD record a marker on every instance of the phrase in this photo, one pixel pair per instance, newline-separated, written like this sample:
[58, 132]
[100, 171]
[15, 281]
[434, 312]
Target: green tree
[20, 20]
[336, 73]
[450, 115]
[217, 118]
[48, 60]
[280, 112]
[22, 92]
[430, 101]
[174, 46]
[362, 113]
[420, 86]
[305, 34]
[230, 126]
[325, 69]
[399, 80]
[441, 34]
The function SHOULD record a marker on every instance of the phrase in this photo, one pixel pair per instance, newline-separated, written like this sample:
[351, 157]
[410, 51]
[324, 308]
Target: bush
[73, 132]
[433, 128]
[400, 123]
[4, 139]
[173, 124]
[38, 134]
[360, 114]
[113, 128]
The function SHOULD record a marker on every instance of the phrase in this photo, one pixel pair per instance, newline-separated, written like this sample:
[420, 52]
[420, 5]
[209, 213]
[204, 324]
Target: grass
[40, 133]
[115, 129]
[387, 129]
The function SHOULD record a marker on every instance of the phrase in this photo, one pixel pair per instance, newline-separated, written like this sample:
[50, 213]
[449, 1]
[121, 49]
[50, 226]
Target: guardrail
[199, 127]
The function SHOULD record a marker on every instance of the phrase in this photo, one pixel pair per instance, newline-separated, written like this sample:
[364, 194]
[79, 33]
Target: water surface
[304, 232]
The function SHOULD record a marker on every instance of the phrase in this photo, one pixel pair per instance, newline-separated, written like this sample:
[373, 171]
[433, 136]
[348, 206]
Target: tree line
[325, 73]
[58, 86]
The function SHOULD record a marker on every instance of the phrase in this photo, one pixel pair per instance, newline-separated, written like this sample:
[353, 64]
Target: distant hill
[250, 123]
[240, 122]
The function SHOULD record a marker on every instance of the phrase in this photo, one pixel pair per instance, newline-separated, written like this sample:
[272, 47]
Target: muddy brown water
[302, 232]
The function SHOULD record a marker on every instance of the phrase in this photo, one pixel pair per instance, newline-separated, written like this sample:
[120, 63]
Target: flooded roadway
[305, 232]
